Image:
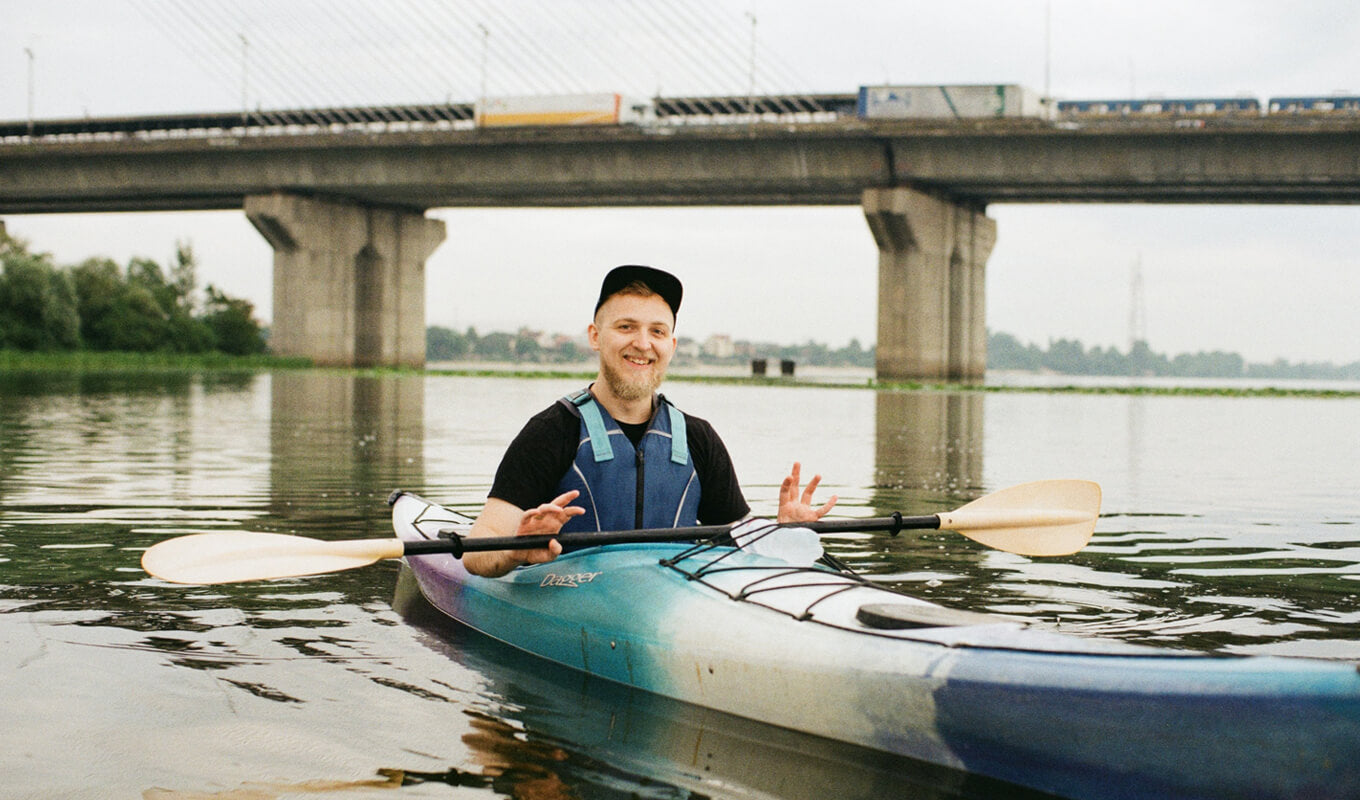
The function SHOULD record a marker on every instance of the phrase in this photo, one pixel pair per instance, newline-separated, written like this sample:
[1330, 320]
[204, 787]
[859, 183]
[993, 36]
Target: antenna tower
[1137, 307]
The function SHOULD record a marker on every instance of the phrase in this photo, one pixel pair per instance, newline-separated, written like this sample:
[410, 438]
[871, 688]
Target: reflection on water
[1230, 524]
[927, 445]
[337, 442]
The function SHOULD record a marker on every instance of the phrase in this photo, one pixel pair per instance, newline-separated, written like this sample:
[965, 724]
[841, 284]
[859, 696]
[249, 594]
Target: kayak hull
[749, 636]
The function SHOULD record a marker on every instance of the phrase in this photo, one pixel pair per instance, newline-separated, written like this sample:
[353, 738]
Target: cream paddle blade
[233, 557]
[1042, 518]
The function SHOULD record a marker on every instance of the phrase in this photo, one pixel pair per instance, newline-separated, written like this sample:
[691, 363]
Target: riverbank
[997, 381]
[101, 361]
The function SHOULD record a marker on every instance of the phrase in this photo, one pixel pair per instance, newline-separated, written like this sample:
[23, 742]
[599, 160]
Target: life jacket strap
[679, 440]
[590, 414]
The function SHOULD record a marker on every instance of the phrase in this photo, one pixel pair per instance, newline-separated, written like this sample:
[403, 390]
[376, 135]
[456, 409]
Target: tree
[147, 274]
[526, 347]
[135, 321]
[184, 278]
[233, 325]
[1208, 365]
[126, 312]
[98, 305]
[60, 318]
[98, 284]
[1102, 361]
[1004, 351]
[1066, 356]
[188, 333]
[37, 301]
[496, 347]
[445, 344]
[1142, 361]
[568, 352]
[852, 354]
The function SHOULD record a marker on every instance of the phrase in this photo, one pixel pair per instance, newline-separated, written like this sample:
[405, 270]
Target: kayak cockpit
[849, 601]
[896, 616]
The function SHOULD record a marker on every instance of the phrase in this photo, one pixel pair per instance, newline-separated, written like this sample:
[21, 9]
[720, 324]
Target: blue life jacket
[653, 485]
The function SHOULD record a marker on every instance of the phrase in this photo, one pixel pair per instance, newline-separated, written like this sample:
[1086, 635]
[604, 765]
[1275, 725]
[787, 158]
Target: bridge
[341, 194]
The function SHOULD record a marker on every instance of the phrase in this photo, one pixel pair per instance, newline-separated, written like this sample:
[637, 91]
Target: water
[1229, 525]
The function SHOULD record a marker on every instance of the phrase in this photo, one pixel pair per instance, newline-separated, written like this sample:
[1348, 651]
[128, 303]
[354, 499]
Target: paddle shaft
[1040, 518]
[458, 545]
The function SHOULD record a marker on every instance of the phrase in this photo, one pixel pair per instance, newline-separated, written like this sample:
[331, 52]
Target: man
[598, 445]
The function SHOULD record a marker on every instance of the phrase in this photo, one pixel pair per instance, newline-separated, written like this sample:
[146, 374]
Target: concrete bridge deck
[345, 211]
[973, 162]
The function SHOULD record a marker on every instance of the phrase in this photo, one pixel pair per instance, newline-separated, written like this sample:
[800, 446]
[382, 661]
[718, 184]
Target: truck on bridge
[564, 109]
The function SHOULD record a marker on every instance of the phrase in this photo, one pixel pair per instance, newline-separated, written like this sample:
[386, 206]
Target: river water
[1230, 524]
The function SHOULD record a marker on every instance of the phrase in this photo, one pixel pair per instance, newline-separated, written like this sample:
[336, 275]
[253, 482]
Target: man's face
[635, 338]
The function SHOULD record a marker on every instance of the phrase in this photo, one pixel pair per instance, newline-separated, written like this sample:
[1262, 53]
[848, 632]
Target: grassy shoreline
[915, 386]
[90, 361]
[99, 361]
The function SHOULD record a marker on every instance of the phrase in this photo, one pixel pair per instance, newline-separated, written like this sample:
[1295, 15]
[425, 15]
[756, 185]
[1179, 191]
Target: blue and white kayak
[830, 654]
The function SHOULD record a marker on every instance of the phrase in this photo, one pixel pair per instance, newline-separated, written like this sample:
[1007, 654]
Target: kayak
[604, 739]
[828, 653]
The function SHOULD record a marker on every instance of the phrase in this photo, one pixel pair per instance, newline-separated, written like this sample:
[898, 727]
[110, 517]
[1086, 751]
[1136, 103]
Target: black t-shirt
[534, 463]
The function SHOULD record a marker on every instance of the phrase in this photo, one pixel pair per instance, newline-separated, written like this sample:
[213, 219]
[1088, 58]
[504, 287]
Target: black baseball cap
[663, 283]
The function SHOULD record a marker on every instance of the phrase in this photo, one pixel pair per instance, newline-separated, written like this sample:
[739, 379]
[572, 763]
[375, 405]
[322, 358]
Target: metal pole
[1137, 308]
[245, 80]
[1048, 59]
[481, 97]
[29, 52]
[1048, 48]
[751, 91]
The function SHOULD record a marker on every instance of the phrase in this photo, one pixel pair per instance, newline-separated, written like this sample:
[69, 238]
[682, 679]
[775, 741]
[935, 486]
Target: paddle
[1042, 518]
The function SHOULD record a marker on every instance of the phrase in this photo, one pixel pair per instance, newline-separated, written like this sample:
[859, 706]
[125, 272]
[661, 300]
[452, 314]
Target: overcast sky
[1264, 281]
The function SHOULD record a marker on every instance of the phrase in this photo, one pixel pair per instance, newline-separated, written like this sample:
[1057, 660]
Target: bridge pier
[932, 259]
[349, 279]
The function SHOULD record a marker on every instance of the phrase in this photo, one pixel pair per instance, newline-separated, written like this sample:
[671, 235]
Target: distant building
[719, 345]
[687, 348]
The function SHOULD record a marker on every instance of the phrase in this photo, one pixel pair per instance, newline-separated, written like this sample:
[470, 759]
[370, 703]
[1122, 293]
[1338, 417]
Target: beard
[631, 389]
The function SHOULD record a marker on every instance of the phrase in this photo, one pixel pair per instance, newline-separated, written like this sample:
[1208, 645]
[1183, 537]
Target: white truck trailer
[948, 102]
[564, 109]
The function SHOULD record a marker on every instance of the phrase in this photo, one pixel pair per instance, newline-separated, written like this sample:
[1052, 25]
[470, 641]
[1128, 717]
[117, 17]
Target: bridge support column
[349, 279]
[932, 259]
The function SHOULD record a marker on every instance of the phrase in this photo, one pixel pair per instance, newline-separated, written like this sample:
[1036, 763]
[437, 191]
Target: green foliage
[37, 301]
[98, 306]
[1005, 349]
[98, 284]
[232, 323]
[496, 347]
[444, 344]
[120, 312]
[195, 335]
[569, 352]
[135, 321]
[61, 319]
[184, 277]
[28, 361]
[1069, 357]
[527, 348]
[813, 353]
